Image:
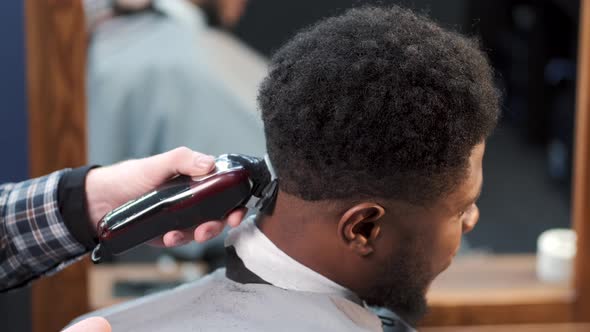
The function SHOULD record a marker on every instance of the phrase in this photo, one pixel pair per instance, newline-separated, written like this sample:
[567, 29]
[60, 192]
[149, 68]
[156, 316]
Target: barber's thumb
[92, 324]
[202, 163]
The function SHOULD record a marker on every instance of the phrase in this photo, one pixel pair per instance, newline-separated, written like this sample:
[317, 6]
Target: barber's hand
[111, 186]
[92, 324]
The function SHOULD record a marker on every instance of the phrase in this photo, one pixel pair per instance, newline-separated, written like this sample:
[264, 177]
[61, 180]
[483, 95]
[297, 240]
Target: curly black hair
[377, 102]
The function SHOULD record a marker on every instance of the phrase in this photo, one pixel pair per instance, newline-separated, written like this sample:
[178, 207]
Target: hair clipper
[183, 202]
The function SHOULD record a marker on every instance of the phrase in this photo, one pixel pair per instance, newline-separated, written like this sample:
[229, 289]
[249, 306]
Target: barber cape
[261, 289]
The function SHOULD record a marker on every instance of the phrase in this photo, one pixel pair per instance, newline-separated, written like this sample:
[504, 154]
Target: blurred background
[161, 74]
[531, 44]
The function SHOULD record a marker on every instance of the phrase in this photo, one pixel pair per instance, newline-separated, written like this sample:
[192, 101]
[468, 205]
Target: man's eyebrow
[475, 198]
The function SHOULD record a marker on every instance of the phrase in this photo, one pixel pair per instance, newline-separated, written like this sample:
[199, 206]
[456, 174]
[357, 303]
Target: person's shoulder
[142, 39]
[155, 304]
[216, 303]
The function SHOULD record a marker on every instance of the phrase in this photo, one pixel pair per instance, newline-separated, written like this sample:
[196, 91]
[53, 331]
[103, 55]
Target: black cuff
[73, 206]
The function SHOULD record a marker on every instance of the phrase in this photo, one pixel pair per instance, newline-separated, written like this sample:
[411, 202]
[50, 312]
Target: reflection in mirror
[160, 76]
[528, 161]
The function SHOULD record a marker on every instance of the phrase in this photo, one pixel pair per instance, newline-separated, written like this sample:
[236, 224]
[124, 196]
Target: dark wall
[14, 306]
[267, 24]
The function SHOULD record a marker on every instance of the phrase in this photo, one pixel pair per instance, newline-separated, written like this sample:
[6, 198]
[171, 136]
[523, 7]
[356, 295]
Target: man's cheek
[447, 248]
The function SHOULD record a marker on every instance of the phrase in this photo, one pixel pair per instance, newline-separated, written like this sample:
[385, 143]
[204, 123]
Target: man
[375, 122]
[50, 222]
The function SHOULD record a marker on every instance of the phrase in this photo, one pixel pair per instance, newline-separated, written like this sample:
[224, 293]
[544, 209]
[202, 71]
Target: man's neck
[254, 258]
[303, 230]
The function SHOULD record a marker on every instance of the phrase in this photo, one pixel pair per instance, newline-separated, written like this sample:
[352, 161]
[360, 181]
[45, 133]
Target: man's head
[375, 122]
[222, 13]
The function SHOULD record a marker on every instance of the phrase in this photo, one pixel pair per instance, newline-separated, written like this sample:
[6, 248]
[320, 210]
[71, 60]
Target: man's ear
[360, 225]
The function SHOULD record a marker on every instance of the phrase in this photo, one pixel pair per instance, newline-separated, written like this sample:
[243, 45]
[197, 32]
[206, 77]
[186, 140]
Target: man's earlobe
[360, 225]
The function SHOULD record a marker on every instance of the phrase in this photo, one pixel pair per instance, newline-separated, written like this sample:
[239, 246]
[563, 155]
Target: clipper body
[185, 202]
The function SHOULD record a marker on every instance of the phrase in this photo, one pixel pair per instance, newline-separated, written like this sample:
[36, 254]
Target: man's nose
[470, 220]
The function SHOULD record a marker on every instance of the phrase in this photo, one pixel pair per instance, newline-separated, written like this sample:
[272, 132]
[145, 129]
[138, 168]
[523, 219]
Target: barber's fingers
[211, 229]
[208, 230]
[183, 160]
[203, 233]
[174, 239]
[92, 324]
[236, 216]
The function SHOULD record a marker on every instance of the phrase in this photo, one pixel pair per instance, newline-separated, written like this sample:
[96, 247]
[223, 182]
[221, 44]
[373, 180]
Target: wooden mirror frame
[56, 43]
[581, 179]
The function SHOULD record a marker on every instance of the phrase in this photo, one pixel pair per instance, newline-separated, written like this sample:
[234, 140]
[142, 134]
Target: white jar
[556, 249]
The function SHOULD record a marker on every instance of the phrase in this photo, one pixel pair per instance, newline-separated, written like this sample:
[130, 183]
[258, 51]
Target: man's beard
[402, 287]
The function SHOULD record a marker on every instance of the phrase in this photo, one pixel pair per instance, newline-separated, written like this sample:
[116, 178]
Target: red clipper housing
[183, 202]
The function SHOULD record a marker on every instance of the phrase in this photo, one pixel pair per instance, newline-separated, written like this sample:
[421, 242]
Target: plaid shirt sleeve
[34, 240]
